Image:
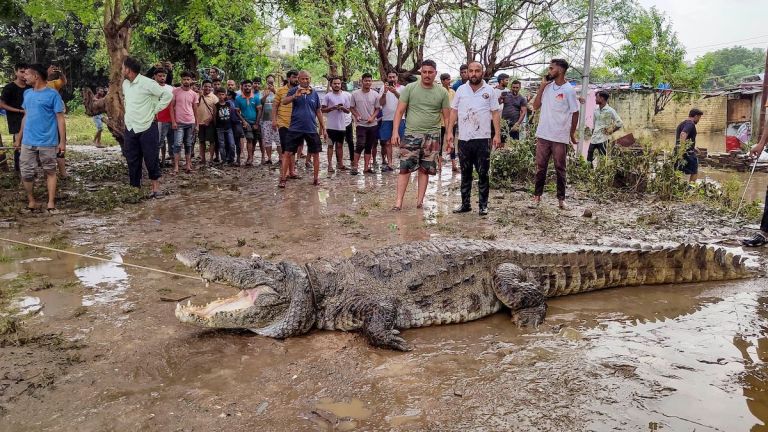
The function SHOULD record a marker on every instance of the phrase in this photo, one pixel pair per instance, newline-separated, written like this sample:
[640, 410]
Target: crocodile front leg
[514, 287]
[378, 318]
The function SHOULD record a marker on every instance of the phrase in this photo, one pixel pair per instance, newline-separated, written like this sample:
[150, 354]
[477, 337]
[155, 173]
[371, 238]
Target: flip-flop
[51, 211]
[396, 208]
[294, 177]
[30, 209]
[282, 183]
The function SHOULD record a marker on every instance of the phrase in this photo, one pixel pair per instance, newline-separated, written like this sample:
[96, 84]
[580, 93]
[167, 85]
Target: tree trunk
[118, 37]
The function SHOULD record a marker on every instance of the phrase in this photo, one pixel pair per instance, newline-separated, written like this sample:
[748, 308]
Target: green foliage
[653, 54]
[107, 198]
[730, 65]
[513, 164]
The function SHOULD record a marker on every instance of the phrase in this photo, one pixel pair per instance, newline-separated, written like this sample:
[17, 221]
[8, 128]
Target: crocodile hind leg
[513, 286]
[379, 317]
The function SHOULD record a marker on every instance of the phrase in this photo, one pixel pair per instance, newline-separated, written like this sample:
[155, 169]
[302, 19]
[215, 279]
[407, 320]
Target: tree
[654, 56]
[730, 65]
[335, 36]
[504, 34]
[397, 29]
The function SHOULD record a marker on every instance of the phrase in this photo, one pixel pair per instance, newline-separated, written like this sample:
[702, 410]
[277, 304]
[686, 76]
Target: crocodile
[442, 281]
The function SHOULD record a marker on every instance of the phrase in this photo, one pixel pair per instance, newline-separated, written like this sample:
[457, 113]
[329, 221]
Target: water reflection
[109, 281]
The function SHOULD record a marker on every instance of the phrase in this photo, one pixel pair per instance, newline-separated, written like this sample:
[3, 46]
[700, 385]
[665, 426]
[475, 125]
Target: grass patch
[347, 221]
[107, 198]
[168, 249]
[4, 259]
[59, 241]
[240, 242]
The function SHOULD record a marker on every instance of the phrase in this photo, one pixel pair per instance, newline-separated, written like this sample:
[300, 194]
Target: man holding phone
[559, 117]
[335, 106]
[390, 96]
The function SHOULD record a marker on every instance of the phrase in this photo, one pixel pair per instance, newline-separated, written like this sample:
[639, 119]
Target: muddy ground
[105, 352]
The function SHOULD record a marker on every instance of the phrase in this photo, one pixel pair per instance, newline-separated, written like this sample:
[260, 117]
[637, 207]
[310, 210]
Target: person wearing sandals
[281, 121]
[43, 134]
[761, 238]
[305, 117]
[143, 99]
[426, 103]
[335, 106]
[365, 106]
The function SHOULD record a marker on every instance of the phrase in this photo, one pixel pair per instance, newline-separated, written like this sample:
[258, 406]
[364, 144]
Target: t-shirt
[366, 103]
[304, 114]
[336, 120]
[689, 127]
[605, 118]
[164, 116]
[267, 105]
[558, 103]
[513, 104]
[222, 115]
[184, 107]
[425, 107]
[233, 117]
[451, 95]
[283, 111]
[249, 107]
[457, 84]
[13, 96]
[40, 127]
[206, 108]
[475, 108]
[389, 108]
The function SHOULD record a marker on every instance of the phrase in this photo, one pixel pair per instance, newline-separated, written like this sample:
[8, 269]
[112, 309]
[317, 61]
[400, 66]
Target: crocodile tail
[589, 270]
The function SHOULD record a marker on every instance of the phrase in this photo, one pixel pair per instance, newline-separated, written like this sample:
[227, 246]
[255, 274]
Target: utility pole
[585, 79]
[763, 99]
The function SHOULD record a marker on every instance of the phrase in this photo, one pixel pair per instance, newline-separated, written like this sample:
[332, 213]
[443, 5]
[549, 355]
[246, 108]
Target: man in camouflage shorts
[419, 151]
[426, 104]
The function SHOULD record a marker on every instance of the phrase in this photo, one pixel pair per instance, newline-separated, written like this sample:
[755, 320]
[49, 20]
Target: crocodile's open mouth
[245, 309]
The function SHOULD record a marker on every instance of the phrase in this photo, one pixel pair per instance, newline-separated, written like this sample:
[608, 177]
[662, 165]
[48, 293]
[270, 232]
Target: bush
[515, 163]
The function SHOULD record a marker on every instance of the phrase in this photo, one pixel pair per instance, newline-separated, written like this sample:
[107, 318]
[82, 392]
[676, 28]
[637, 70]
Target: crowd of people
[465, 120]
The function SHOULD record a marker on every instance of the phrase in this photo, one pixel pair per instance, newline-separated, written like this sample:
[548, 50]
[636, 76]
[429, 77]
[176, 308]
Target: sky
[708, 25]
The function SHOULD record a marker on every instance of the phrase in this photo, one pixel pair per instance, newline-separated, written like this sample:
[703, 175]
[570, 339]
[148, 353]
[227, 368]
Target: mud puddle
[673, 357]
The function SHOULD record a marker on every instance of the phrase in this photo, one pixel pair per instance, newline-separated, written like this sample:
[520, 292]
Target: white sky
[708, 25]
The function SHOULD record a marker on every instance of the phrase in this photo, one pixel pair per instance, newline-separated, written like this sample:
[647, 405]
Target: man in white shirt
[335, 105]
[559, 116]
[476, 107]
[390, 95]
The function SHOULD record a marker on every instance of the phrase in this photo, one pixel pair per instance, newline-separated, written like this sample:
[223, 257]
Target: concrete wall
[636, 110]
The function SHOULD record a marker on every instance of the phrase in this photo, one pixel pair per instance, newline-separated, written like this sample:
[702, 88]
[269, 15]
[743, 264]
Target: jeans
[143, 146]
[185, 132]
[226, 140]
[475, 154]
[545, 149]
[167, 137]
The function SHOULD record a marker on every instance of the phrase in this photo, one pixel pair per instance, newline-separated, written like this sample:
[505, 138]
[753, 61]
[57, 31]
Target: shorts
[251, 133]
[385, 130]
[336, 136]
[366, 139]
[689, 165]
[419, 151]
[207, 134]
[99, 122]
[237, 130]
[270, 135]
[294, 139]
[28, 160]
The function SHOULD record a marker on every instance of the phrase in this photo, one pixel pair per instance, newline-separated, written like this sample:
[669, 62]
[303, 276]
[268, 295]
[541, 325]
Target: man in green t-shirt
[426, 105]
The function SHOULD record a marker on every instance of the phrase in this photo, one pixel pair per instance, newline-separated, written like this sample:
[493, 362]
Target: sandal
[420, 205]
[396, 208]
[756, 241]
[331, 170]
[342, 168]
[294, 177]
[316, 182]
[52, 211]
[30, 209]
[282, 183]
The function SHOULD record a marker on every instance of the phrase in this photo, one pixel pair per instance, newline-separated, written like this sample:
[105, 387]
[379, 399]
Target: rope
[100, 259]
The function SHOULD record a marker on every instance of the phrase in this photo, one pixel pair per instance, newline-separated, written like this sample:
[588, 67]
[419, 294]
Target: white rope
[101, 259]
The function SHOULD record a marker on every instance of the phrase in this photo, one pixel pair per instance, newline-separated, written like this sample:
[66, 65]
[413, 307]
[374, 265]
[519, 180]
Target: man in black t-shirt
[11, 99]
[514, 111]
[686, 133]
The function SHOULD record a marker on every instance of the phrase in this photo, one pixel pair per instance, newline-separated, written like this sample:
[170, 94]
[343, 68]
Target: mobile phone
[548, 78]
[60, 155]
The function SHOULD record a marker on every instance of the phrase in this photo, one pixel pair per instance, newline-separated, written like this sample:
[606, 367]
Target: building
[289, 43]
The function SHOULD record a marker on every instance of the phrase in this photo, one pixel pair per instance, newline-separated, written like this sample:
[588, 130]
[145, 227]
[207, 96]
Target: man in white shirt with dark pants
[475, 106]
[558, 119]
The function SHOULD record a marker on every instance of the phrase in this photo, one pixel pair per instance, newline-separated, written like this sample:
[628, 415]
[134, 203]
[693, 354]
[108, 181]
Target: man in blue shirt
[305, 117]
[43, 134]
[464, 74]
[249, 104]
